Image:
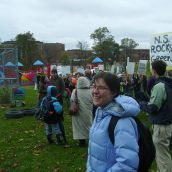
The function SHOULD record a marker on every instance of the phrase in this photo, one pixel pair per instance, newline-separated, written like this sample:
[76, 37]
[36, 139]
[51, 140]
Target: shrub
[5, 95]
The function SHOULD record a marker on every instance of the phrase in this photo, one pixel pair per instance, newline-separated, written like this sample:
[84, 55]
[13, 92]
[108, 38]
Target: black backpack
[146, 146]
[47, 109]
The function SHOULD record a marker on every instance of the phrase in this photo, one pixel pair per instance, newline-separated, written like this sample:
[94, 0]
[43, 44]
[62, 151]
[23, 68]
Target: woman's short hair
[111, 81]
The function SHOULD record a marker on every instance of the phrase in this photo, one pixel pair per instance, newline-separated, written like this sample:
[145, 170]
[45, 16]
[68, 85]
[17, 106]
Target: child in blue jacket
[52, 115]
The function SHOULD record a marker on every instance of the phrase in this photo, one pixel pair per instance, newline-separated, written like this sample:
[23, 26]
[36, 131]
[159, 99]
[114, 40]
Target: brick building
[48, 52]
[51, 52]
[79, 54]
[140, 54]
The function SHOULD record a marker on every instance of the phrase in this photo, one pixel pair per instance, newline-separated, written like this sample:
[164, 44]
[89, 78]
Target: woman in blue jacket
[103, 156]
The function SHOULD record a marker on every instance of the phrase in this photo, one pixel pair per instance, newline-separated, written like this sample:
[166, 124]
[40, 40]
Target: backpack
[47, 110]
[145, 142]
[166, 108]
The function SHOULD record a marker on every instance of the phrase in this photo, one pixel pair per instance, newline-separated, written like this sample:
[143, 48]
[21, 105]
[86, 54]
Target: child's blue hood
[123, 106]
[51, 91]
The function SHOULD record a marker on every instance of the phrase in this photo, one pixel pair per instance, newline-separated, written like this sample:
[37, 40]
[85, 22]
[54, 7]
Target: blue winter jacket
[51, 93]
[103, 156]
[57, 105]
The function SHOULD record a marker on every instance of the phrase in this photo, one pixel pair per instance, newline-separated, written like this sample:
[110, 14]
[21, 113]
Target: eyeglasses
[99, 88]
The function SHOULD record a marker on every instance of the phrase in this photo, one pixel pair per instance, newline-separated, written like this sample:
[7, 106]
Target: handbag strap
[76, 94]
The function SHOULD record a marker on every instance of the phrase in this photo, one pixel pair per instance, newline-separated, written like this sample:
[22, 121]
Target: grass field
[24, 148]
[23, 145]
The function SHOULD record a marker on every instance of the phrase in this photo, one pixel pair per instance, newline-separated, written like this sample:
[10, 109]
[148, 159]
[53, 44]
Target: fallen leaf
[56, 170]
[84, 155]
[14, 165]
[20, 140]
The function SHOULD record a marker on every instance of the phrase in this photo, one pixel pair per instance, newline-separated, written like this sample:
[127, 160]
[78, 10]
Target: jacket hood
[51, 91]
[83, 82]
[166, 80]
[123, 106]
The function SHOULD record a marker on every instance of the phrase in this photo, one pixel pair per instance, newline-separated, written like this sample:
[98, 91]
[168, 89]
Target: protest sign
[80, 70]
[101, 67]
[161, 48]
[130, 67]
[112, 69]
[65, 70]
[59, 70]
[119, 69]
[142, 68]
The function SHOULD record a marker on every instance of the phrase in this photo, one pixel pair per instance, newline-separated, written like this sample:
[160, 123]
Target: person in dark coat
[42, 89]
[58, 82]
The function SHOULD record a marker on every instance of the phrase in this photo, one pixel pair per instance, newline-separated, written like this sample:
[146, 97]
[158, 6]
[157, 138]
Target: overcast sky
[70, 21]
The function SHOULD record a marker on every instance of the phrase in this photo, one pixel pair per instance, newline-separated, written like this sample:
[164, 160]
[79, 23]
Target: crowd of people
[104, 95]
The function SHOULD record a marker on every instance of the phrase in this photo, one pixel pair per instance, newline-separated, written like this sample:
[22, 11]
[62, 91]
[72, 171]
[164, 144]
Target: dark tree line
[104, 46]
[27, 48]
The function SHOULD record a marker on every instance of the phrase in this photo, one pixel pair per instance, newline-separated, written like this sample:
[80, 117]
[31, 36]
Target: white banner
[65, 70]
[112, 69]
[101, 67]
[80, 70]
[130, 67]
[61, 70]
[142, 68]
[53, 67]
[143, 61]
[161, 48]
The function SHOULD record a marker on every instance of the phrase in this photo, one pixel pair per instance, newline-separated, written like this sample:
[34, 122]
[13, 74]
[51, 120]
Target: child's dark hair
[111, 80]
[159, 66]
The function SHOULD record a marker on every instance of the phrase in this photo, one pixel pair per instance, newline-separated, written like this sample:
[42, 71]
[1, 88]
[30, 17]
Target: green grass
[23, 145]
